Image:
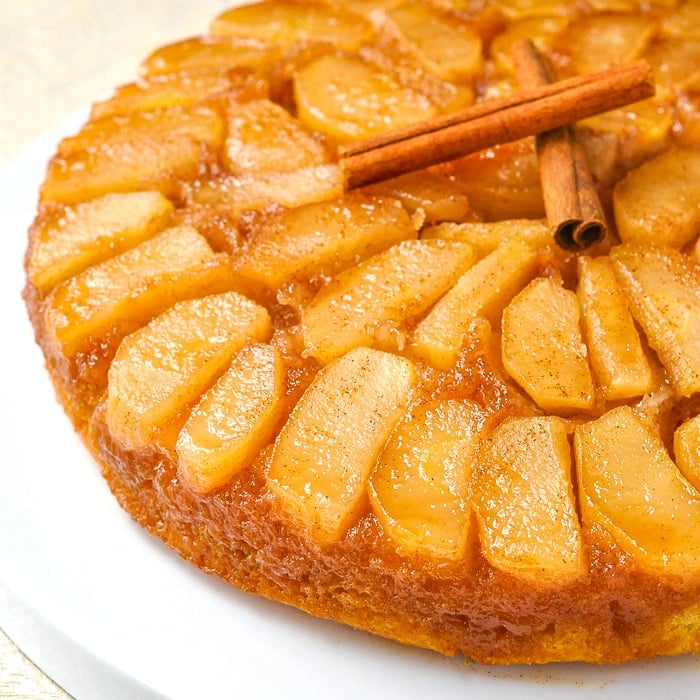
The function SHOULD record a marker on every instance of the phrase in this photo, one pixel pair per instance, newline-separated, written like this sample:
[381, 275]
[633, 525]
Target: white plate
[109, 612]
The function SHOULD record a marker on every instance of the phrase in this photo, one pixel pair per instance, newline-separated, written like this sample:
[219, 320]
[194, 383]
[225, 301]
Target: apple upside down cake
[403, 406]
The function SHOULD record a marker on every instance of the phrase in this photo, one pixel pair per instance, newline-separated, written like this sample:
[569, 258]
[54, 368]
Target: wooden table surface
[56, 57]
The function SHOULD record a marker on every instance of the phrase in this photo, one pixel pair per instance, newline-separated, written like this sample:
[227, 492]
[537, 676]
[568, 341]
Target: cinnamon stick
[493, 122]
[571, 200]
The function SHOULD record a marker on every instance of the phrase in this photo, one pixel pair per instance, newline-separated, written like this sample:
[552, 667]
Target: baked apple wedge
[483, 290]
[543, 349]
[234, 419]
[370, 303]
[617, 356]
[420, 487]
[343, 420]
[663, 291]
[129, 289]
[169, 363]
[630, 485]
[73, 238]
[523, 496]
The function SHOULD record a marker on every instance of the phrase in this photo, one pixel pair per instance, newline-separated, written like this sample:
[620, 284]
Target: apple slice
[183, 88]
[343, 419]
[542, 30]
[663, 290]
[617, 356]
[629, 484]
[124, 167]
[443, 44]
[483, 290]
[486, 236]
[264, 137]
[210, 52]
[419, 489]
[675, 63]
[74, 238]
[542, 347]
[143, 150]
[502, 182]
[287, 23]
[260, 190]
[524, 9]
[428, 194]
[686, 447]
[621, 138]
[199, 123]
[524, 502]
[163, 367]
[233, 420]
[125, 291]
[618, 38]
[347, 98]
[320, 238]
[659, 202]
[369, 304]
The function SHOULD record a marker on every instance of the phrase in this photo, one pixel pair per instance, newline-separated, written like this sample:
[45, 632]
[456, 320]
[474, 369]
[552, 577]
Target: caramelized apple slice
[343, 420]
[675, 63]
[148, 150]
[210, 52]
[659, 202]
[683, 21]
[502, 182]
[369, 304]
[629, 484]
[132, 288]
[392, 55]
[73, 238]
[161, 368]
[200, 124]
[443, 44]
[617, 357]
[367, 7]
[627, 136]
[347, 98]
[542, 347]
[320, 238]
[286, 22]
[524, 502]
[686, 447]
[419, 489]
[431, 196]
[618, 38]
[541, 30]
[259, 190]
[183, 88]
[687, 111]
[264, 137]
[483, 290]
[486, 236]
[234, 419]
[663, 290]
[522, 9]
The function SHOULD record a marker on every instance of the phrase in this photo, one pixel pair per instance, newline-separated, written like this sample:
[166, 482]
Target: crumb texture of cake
[402, 407]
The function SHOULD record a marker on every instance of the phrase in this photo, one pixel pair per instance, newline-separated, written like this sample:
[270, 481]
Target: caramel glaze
[615, 614]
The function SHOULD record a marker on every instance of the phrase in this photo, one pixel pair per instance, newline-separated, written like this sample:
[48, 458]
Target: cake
[404, 406]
